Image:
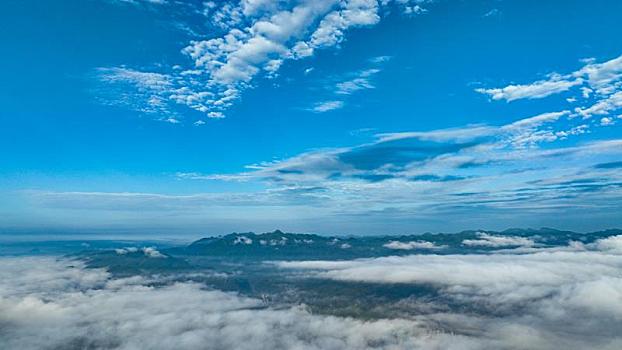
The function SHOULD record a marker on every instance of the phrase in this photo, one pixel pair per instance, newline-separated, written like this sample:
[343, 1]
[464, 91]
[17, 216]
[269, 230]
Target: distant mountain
[278, 245]
[230, 252]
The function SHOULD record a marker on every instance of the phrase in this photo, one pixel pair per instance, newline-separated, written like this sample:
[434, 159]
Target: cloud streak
[599, 90]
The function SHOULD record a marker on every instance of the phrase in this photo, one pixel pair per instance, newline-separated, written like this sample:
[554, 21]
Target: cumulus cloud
[486, 240]
[252, 39]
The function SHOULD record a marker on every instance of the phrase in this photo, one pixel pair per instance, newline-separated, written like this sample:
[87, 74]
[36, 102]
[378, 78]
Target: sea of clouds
[527, 298]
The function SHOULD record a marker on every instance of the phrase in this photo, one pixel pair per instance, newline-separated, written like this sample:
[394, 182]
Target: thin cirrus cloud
[254, 39]
[327, 106]
[350, 83]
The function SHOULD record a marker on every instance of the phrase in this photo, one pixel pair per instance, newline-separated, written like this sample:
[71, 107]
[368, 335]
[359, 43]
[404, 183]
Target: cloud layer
[529, 298]
[548, 296]
[46, 304]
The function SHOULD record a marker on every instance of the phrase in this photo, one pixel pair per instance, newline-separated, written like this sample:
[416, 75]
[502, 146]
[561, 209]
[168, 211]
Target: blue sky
[341, 117]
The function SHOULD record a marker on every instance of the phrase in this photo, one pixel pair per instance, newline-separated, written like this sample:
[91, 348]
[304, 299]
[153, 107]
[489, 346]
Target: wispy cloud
[538, 89]
[599, 85]
[326, 106]
[353, 82]
[360, 82]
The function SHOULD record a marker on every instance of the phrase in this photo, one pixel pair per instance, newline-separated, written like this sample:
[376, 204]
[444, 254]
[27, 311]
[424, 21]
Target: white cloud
[123, 251]
[611, 244]
[501, 277]
[143, 80]
[254, 38]
[605, 77]
[538, 89]
[526, 132]
[326, 106]
[535, 121]
[360, 82]
[350, 83]
[141, 91]
[215, 115]
[605, 121]
[411, 245]
[149, 252]
[331, 30]
[224, 15]
[350, 86]
[152, 253]
[77, 307]
[486, 240]
[602, 107]
[243, 240]
[603, 81]
[505, 300]
[172, 120]
[529, 292]
[463, 134]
